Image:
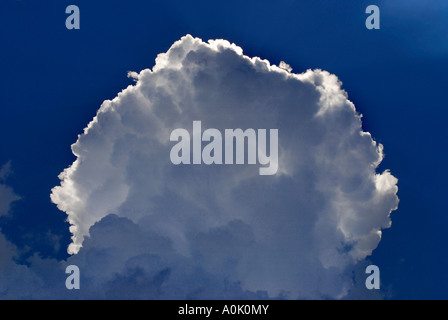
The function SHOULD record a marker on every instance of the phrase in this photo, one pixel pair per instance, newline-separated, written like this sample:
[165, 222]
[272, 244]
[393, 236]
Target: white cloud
[299, 231]
[133, 75]
[285, 66]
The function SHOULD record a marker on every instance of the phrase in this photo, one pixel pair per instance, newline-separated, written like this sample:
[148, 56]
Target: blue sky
[54, 81]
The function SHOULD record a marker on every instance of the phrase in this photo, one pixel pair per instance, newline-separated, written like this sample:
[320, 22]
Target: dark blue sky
[54, 80]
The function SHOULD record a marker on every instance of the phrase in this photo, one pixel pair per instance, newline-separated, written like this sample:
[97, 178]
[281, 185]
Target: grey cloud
[7, 194]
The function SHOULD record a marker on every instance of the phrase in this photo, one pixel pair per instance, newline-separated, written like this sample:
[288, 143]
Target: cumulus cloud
[225, 228]
[285, 66]
[133, 75]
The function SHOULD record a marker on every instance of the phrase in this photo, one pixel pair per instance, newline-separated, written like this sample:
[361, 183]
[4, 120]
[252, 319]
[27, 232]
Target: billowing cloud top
[297, 231]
